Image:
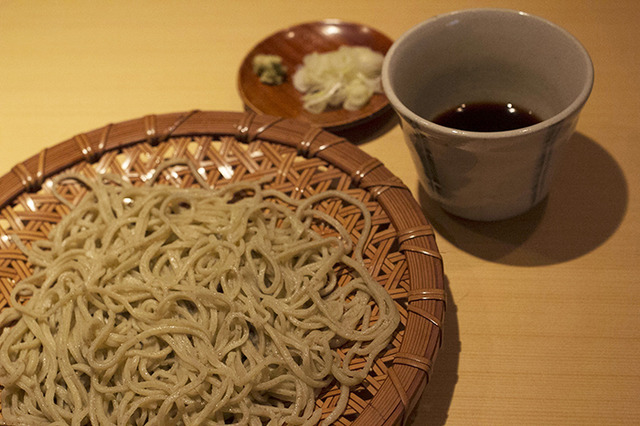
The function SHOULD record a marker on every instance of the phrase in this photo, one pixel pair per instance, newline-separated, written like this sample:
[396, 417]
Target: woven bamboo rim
[402, 253]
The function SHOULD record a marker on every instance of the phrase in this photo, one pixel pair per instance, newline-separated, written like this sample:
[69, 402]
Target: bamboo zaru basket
[293, 157]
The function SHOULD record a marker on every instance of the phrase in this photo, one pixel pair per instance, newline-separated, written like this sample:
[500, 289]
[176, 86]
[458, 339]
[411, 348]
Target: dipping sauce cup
[487, 57]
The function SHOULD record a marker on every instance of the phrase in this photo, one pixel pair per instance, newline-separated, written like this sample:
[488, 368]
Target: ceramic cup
[479, 56]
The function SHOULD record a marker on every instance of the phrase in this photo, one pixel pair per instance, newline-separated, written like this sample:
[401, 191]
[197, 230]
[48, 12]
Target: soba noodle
[160, 305]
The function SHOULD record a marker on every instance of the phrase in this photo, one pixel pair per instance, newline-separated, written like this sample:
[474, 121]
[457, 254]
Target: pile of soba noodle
[163, 306]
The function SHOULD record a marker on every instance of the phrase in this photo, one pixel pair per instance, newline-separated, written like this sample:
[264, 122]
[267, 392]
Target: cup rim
[572, 108]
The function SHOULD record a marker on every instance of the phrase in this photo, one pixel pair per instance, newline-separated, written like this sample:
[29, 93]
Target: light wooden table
[543, 324]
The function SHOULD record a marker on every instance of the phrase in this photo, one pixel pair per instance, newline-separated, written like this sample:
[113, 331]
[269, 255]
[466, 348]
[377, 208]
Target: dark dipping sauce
[487, 117]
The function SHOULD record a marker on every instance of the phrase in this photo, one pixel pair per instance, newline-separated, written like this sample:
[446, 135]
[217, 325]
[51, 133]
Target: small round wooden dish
[293, 157]
[292, 44]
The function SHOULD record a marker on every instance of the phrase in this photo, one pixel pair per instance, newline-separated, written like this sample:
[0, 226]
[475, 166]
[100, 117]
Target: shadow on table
[587, 203]
[370, 130]
[433, 407]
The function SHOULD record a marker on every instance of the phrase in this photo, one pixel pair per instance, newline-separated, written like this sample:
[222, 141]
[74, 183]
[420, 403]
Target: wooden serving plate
[292, 44]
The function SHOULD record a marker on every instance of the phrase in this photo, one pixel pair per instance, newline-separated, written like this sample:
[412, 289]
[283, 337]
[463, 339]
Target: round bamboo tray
[295, 158]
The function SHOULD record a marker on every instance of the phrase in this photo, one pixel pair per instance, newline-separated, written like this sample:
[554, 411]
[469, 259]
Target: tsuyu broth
[487, 117]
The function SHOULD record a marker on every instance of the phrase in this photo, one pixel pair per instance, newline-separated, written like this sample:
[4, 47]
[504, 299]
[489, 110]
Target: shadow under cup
[487, 56]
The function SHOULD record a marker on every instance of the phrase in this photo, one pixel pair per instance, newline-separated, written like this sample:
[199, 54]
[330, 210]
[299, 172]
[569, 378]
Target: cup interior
[487, 55]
